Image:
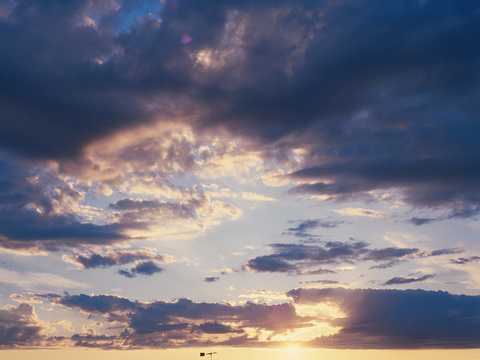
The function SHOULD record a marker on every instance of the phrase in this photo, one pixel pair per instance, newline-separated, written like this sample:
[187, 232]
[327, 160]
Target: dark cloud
[304, 258]
[422, 319]
[34, 213]
[445, 252]
[270, 263]
[301, 258]
[398, 280]
[464, 212]
[147, 268]
[211, 279]
[389, 253]
[169, 324]
[217, 328]
[463, 261]
[304, 227]
[383, 95]
[20, 327]
[395, 319]
[120, 257]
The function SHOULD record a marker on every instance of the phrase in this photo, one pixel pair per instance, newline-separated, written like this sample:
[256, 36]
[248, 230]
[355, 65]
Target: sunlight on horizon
[292, 352]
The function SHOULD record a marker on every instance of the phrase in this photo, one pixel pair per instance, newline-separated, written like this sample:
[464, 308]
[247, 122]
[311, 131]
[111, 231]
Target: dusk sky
[256, 178]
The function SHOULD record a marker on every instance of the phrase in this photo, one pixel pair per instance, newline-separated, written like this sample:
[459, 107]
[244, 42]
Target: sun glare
[293, 350]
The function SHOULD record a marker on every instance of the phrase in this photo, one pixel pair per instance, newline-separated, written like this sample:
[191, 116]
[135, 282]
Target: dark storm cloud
[399, 280]
[55, 95]
[383, 94]
[30, 218]
[395, 319]
[300, 258]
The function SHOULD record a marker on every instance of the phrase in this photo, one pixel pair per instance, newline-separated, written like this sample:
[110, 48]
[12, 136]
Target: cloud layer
[362, 319]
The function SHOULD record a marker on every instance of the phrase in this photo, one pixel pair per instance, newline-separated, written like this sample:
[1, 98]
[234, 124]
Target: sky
[271, 179]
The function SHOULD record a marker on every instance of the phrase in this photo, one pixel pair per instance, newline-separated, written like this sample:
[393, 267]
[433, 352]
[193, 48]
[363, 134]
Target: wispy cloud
[31, 280]
[399, 280]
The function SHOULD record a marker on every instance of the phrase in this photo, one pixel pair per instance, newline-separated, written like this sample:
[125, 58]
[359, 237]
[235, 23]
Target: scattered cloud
[147, 268]
[464, 212]
[398, 280]
[111, 258]
[302, 230]
[463, 261]
[305, 259]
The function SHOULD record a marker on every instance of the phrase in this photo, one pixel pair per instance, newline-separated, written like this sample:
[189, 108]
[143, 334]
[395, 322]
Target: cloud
[464, 212]
[303, 228]
[211, 279]
[423, 319]
[321, 282]
[361, 212]
[147, 268]
[180, 322]
[377, 126]
[325, 318]
[19, 327]
[40, 212]
[146, 261]
[463, 261]
[305, 259]
[111, 258]
[398, 280]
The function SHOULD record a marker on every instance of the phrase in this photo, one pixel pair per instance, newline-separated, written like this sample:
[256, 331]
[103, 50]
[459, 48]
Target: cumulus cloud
[180, 322]
[357, 319]
[19, 326]
[422, 319]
